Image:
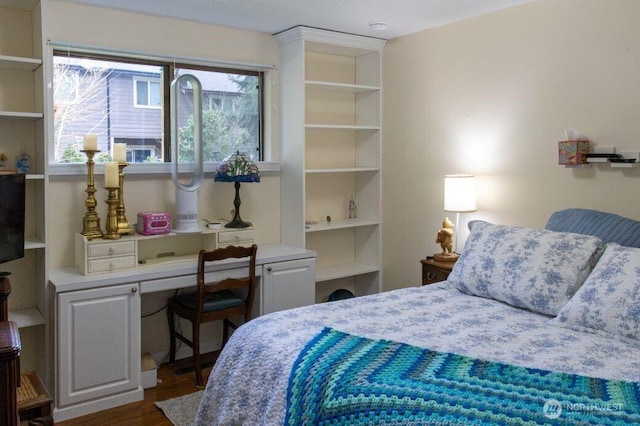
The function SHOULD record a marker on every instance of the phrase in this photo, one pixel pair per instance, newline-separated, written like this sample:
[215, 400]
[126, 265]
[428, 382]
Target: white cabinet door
[287, 285]
[98, 343]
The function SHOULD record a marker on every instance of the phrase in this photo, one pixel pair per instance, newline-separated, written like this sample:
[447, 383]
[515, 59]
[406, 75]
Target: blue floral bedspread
[248, 384]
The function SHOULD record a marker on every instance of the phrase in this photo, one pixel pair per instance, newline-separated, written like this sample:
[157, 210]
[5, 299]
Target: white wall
[492, 96]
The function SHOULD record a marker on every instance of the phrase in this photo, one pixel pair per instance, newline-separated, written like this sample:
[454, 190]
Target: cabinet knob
[431, 275]
[269, 268]
[134, 290]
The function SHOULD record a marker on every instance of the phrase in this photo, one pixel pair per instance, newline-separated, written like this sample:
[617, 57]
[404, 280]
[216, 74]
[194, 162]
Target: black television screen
[12, 187]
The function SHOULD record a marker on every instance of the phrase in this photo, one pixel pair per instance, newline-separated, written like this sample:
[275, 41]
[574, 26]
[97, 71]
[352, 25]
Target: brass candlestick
[91, 221]
[112, 216]
[123, 225]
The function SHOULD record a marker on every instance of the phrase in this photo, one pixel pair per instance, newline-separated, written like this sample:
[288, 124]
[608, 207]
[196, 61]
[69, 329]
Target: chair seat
[218, 301]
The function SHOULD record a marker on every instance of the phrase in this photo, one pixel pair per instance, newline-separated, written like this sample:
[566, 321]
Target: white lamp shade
[460, 193]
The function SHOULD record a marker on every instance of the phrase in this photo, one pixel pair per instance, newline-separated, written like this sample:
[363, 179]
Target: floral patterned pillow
[609, 300]
[535, 269]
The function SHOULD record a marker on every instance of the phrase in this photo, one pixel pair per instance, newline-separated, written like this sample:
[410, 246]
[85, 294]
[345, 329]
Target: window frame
[149, 82]
[168, 69]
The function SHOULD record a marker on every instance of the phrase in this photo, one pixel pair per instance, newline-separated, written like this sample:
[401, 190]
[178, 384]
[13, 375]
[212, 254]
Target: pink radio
[154, 223]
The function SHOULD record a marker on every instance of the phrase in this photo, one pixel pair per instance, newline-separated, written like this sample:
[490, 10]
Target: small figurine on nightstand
[445, 239]
[3, 158]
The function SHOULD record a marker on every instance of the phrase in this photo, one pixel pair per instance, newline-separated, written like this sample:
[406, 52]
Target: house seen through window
[126, 101]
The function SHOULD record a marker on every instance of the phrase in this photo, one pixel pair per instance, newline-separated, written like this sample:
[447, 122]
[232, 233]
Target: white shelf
[339, 224]
[19, 4]
[32, 243]
[34, 176]
[344, 170]
[623, 165]
[19, 63]
[340, 87]
[26, 317]
[21, 115]
[341, 127]
[345, 270]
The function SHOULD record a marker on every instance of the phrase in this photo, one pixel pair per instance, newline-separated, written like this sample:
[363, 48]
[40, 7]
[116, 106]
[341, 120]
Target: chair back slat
[248, 282]
[227, 284]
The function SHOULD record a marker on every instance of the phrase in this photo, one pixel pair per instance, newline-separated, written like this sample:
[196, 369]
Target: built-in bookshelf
[22, 131]
[331, 98]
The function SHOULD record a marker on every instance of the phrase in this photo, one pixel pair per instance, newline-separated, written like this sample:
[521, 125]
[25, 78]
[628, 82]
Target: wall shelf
[340, 87]
[21, 115]
[624, 159]
[19, 63]
[32, 243]
[345, 270]
[26, 317]
[340, 224]
[344, 170]
[341, 126]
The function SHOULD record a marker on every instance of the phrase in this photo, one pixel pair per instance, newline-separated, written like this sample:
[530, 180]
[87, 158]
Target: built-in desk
[97, 319]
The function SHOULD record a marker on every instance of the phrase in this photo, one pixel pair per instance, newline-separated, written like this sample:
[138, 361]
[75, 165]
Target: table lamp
[459, 197]
[237, 168]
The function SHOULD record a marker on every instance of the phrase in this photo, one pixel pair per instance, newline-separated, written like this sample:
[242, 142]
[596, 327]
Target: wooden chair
[213, 302]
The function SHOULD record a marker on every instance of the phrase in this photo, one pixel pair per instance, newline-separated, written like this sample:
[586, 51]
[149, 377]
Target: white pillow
[530, 268]
[609, 300]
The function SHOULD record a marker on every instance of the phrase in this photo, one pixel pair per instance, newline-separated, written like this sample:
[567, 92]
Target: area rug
[182, 410]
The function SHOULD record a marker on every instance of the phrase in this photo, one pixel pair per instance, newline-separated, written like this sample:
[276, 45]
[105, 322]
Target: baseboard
[104, 403]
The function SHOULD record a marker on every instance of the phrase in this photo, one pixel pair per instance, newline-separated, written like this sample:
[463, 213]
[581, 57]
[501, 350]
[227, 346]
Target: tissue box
[149, 377]
[573, 152]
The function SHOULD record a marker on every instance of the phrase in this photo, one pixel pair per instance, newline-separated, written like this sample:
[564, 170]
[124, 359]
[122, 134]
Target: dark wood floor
[144, 413]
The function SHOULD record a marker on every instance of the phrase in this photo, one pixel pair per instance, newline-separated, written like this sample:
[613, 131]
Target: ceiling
[401, 17]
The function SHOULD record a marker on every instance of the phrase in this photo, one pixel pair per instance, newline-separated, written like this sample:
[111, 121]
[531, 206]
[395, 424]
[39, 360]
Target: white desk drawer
[111, 249]
[111, 264]
[233, 237]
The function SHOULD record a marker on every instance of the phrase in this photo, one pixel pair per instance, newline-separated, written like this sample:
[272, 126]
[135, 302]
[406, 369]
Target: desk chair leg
[172, 336]
[196, 353]
[225, 332]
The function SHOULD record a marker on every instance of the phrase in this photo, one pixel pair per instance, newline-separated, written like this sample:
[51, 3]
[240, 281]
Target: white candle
[90, 142]
[111, 179]
[120, 153]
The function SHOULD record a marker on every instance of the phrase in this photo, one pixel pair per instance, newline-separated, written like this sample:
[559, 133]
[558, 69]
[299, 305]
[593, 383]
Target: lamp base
[237, 223]
[449, 257]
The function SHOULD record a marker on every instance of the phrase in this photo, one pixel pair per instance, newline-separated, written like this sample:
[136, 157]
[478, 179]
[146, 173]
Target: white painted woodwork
[287, 285]
[331, 97]
[98, 342]
[98, 315]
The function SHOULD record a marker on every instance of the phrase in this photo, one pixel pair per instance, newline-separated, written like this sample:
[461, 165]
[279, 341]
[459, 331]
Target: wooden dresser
[9, 373]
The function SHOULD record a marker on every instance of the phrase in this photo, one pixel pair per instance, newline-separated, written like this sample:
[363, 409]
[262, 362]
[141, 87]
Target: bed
[533, 326]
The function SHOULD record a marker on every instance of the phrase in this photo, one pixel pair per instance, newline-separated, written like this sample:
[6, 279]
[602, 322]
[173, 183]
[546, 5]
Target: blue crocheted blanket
[340, 378]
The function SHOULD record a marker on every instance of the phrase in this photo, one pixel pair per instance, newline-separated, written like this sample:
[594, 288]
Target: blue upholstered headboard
[608, 226]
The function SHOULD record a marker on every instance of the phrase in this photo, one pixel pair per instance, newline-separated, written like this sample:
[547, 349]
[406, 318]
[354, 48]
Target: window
[123, 100]
[147, 93]
[67, 87]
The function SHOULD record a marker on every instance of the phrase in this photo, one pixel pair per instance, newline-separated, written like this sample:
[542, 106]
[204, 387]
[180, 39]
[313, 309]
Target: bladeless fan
[187, 194]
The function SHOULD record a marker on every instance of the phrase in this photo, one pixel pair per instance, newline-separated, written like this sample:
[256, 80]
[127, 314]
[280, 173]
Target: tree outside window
[122, 102]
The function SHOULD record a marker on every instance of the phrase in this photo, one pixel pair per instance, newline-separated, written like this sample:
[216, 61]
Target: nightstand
[434, 271]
